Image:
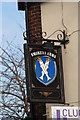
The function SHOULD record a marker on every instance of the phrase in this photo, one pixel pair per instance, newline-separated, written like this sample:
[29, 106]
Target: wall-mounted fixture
[62, 39]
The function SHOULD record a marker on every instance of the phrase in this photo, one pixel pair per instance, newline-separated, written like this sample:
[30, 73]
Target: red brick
[34, 14]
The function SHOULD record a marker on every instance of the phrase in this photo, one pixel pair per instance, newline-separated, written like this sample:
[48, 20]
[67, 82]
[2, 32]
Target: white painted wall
[51, 14]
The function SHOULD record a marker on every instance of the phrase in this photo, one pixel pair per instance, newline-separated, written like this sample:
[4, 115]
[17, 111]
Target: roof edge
[21, 5]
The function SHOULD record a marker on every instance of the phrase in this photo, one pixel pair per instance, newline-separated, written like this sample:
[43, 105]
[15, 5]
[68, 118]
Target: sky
[12, 23]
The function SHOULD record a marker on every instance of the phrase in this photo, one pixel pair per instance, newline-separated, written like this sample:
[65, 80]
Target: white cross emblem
[44, 67]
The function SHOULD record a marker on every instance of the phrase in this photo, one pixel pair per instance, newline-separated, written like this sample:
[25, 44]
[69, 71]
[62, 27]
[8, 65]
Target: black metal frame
[61, 38]
[38, 93]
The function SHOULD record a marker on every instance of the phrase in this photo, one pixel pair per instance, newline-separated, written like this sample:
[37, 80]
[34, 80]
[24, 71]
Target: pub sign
[44, 73]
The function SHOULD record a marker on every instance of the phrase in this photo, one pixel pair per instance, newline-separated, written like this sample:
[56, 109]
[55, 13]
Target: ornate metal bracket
[61, 38]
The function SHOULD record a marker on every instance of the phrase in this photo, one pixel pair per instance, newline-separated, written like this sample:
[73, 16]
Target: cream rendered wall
[51, 14]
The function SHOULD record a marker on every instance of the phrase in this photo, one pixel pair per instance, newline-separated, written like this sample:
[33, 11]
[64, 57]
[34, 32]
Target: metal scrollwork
[44, 34]
[25, 35]
[60, 36]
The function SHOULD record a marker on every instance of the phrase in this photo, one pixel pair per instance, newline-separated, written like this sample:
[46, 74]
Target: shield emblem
[45, 69]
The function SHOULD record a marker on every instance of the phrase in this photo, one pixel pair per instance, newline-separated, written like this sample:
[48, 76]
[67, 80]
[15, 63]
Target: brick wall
[34, 20]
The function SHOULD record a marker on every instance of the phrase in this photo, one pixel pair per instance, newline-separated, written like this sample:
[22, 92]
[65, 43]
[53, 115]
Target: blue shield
[45, 69]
